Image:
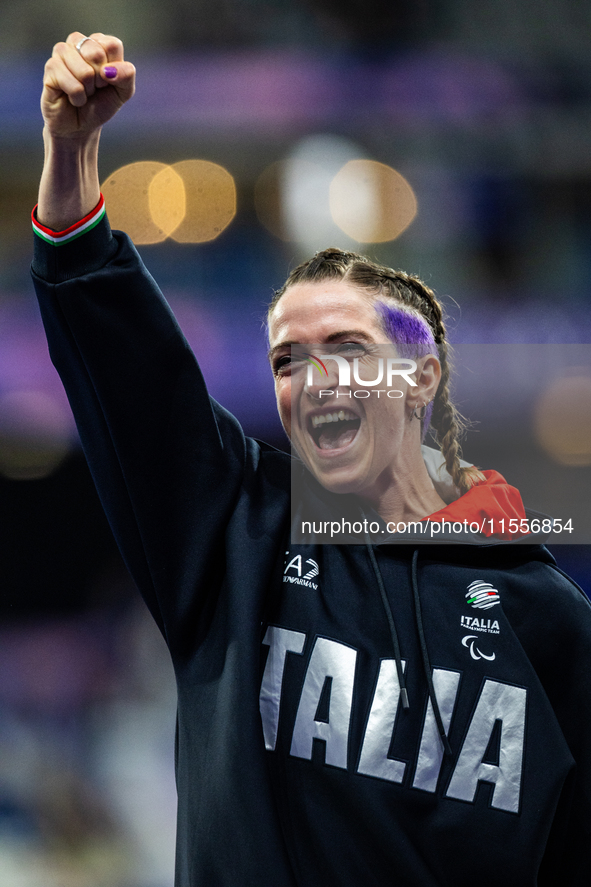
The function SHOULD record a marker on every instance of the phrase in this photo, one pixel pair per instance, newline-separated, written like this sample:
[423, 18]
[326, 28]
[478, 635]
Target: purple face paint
[412, 335]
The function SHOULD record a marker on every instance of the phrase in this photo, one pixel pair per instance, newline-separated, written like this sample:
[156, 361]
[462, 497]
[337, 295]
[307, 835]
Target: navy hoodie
[297, 761]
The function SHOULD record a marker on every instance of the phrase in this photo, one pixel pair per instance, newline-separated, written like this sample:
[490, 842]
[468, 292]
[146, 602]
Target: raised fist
[86, 82]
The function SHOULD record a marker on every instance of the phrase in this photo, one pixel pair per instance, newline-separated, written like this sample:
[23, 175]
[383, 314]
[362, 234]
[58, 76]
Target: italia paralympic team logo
[482, 595]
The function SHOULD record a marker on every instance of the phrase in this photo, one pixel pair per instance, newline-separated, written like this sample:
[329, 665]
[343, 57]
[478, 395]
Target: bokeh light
[267, 200]
[371, 202]
[292, 196]
[563, 419]
[323, 194]
[210, 201]
[127, 198]
[167, 202]
[34, 435]
[192, 201]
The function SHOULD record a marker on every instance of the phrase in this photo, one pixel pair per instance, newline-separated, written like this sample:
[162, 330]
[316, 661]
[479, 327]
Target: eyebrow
[359, 334]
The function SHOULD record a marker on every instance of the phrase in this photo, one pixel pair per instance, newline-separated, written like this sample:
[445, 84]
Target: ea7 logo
[296, 564]
[295, 568]
[475, 653]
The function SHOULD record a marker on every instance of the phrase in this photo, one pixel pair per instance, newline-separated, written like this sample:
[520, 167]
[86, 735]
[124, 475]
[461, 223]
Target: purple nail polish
[110, 72]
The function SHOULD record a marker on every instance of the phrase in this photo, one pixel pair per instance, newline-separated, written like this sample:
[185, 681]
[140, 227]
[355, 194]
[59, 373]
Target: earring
[421, 412]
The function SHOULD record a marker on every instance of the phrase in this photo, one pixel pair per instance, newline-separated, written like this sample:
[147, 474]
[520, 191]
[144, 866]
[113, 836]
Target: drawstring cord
[425, 654]
[422, 641]
[393, 633]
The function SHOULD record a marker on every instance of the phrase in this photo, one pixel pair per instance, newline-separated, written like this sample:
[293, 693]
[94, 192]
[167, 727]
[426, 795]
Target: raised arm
[86, 82]
[169, 463]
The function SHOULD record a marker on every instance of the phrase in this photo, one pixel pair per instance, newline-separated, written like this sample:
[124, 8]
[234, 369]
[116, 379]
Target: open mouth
[333, 431]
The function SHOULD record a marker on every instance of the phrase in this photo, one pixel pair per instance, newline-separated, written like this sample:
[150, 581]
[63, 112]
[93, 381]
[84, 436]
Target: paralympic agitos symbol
[475, 653]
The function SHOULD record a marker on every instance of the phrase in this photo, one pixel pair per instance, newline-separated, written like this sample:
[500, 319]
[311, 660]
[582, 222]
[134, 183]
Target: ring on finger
[81, 42]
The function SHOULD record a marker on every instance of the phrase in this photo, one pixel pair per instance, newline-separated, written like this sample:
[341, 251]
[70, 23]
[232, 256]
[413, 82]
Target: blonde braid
[446, 420]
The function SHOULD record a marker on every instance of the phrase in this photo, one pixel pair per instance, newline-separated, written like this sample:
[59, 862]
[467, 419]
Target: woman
[348, 714]
[345, 304]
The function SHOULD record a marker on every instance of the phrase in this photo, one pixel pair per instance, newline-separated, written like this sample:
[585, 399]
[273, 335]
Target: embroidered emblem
[482, 595]
[301, 573]
[475, 653]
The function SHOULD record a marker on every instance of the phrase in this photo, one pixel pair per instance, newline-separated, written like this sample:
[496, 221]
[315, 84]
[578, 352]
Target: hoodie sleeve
[552, 618]
[167, 461]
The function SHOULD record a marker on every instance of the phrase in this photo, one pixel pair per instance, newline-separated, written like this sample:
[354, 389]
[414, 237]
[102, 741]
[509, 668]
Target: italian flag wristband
[59, 238]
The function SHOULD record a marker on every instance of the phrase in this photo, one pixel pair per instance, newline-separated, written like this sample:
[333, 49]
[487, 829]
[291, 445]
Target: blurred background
[447, 138]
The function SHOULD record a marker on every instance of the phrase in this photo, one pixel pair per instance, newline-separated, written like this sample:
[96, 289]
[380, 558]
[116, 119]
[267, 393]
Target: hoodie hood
[491, 508]
[490, 513]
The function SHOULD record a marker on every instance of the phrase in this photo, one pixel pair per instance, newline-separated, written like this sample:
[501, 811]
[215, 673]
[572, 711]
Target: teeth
[339, 416]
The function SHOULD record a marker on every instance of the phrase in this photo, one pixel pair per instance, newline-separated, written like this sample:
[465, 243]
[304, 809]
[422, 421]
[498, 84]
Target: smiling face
[351, 445]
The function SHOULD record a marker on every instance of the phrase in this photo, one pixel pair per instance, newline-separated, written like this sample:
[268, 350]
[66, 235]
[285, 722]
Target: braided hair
[417, 299]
